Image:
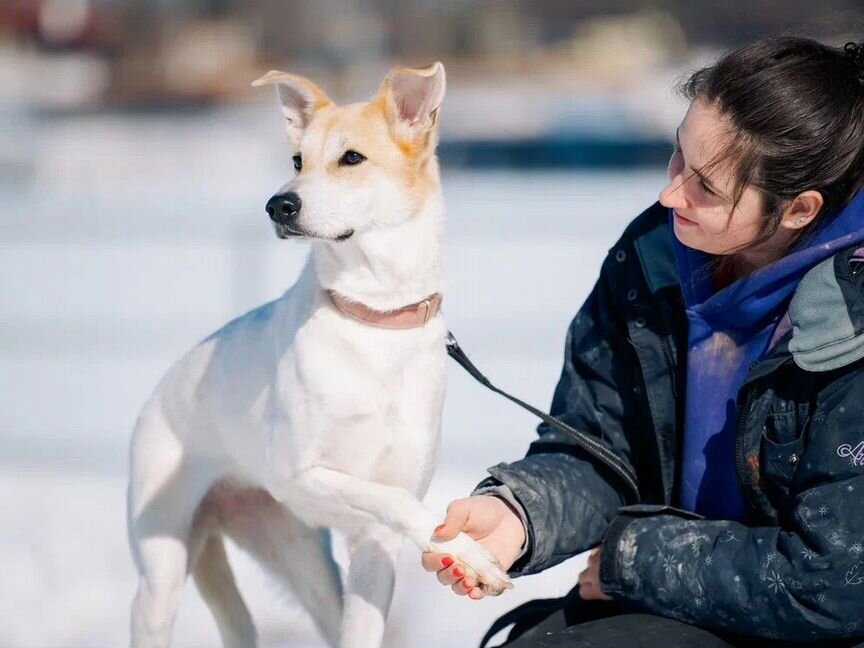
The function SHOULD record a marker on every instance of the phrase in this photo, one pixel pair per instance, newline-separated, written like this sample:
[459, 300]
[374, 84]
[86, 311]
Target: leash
[594, 447]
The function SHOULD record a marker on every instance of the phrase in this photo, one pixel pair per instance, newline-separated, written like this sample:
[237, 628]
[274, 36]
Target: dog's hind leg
[164, 494]
[371, 578]
[160, 542]
[215, 581]
[298, 556]
[307, 564]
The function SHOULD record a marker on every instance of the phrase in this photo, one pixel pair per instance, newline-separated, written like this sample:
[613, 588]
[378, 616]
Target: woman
[719, 355]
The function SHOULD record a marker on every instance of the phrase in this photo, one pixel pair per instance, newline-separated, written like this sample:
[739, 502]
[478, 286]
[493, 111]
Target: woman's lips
[683, 221]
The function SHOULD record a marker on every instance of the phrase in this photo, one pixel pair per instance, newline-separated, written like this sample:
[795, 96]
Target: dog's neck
[389, 268]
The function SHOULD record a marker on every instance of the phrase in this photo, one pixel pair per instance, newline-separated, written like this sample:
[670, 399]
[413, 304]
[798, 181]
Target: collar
[410, 316]
[827, 314]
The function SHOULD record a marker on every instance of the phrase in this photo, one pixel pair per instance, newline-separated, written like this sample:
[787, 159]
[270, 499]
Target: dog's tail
[215, 581]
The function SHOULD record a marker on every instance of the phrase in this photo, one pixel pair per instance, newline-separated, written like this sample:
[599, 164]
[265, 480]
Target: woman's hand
[589, 579]
[488, 520]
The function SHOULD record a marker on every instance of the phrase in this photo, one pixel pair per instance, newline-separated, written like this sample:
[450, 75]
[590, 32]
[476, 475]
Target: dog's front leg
[369, 588]
[342, 498]
[355, 501]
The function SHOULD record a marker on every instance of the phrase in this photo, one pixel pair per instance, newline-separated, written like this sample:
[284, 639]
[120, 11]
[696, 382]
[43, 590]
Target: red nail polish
[458, 573]
[437, 529]
[446, 561]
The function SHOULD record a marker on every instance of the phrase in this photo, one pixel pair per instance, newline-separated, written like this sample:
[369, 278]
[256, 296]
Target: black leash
[592, 446]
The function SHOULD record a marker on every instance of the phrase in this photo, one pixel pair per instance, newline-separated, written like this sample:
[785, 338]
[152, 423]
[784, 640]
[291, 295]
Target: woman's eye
[298, 162]
[677, 152]
[350, 158]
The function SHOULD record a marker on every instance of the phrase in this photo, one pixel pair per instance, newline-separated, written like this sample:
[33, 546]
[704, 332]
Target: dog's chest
[367, 401]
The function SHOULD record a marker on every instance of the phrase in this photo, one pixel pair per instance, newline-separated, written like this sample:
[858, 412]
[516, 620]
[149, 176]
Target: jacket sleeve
[567, 496]
[803, 580]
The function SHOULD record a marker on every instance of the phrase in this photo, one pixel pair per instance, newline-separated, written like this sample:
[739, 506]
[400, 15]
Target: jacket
[795, 570]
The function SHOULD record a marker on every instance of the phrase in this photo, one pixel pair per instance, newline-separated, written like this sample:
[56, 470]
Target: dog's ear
[299, 98]
[412, 98]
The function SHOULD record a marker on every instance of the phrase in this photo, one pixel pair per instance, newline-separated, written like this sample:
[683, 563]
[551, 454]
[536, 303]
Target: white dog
[322, 408]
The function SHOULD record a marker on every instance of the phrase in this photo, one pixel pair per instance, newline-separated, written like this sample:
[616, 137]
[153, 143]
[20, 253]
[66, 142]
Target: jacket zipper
[667, 352]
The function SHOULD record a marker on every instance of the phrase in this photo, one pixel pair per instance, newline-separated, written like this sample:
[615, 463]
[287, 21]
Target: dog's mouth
[286, 232]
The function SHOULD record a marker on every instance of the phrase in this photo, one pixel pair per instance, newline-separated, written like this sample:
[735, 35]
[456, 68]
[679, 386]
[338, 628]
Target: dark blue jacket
[795, 569]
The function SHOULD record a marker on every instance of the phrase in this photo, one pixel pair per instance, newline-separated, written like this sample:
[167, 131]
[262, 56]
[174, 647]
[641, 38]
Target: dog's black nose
[284, 208]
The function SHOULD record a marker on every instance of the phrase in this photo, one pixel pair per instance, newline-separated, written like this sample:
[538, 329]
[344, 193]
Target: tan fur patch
[366, 128]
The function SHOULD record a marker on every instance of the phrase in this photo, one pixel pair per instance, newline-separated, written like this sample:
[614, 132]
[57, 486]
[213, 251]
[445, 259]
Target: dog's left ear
[299, 98]
[412, 98]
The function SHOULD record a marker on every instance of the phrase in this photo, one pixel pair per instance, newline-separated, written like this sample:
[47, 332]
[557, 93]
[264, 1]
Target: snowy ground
[127, 240]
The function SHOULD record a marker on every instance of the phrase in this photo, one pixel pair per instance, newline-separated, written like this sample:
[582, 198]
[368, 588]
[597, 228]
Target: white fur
[294, 417]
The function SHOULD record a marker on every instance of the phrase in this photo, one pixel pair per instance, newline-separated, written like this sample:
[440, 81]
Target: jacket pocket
[780, 452]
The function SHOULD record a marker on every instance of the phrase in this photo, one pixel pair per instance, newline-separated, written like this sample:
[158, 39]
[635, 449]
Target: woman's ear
[802, 210]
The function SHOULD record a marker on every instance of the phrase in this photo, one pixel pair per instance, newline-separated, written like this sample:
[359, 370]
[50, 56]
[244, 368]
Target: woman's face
[702, 202]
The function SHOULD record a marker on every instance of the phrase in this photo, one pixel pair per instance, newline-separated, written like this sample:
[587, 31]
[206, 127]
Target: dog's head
[360, 167]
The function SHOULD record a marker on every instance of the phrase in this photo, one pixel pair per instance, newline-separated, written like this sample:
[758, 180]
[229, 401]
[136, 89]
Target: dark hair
[796, 107]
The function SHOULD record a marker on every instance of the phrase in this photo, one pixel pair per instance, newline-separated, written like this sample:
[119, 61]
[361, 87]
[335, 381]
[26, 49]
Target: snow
[134, 238]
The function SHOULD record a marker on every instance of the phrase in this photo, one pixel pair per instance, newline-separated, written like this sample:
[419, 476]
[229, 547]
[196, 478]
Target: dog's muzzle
[284, 209]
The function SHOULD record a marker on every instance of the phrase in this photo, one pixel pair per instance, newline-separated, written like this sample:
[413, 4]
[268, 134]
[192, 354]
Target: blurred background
[135, 162]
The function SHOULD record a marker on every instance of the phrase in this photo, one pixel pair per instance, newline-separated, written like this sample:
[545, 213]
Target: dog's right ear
[299, 98]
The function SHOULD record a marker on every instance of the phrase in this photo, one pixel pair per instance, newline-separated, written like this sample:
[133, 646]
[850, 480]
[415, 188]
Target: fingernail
[438, 529]
[446, 561]
[458, 573]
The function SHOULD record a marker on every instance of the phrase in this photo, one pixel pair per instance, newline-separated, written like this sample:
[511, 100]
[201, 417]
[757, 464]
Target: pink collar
[411, 316]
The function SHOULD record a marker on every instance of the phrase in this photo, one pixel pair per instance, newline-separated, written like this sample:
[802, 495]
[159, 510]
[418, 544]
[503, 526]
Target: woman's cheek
[728, 237]
[735, 230]
[714, 237]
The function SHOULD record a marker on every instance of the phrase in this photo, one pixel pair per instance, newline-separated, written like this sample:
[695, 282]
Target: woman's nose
[672, 195]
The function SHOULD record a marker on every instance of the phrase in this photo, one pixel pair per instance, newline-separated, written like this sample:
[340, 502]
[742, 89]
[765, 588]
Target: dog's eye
[298, 162]
[350, 158]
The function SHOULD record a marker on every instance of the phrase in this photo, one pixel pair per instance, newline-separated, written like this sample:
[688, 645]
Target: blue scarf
[729, 330]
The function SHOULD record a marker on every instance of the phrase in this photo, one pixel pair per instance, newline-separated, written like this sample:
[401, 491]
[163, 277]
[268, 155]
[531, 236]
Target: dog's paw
[491, 577]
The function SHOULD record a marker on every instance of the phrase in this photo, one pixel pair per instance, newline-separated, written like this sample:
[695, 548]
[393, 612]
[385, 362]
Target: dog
[322, 409]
